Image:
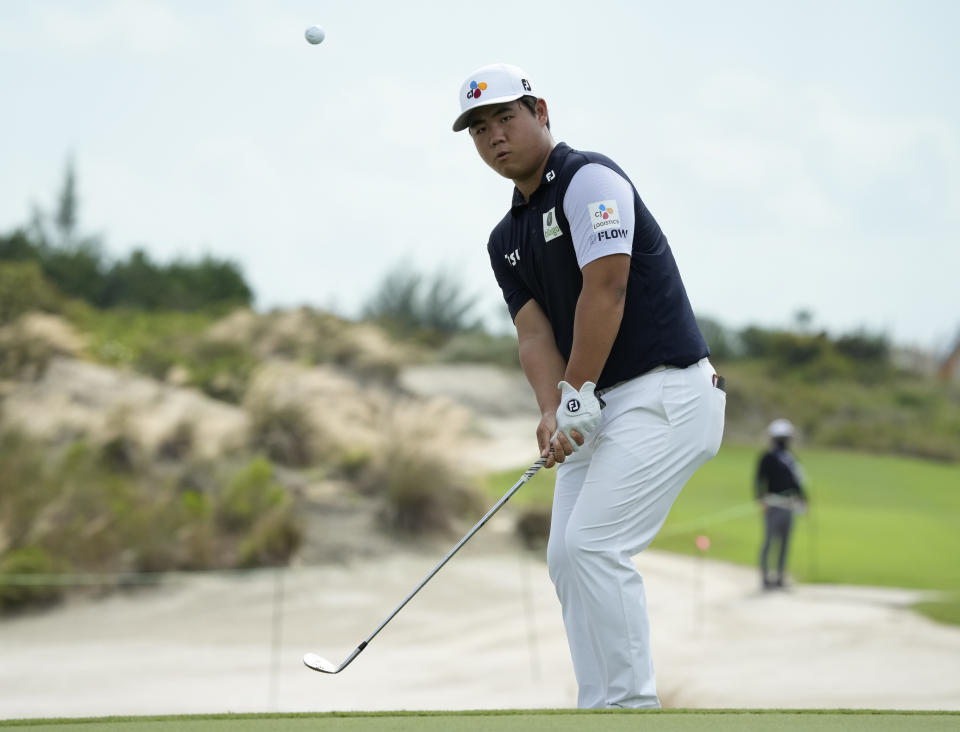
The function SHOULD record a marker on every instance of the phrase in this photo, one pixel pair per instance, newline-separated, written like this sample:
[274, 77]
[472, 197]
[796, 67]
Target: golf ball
[314, 34]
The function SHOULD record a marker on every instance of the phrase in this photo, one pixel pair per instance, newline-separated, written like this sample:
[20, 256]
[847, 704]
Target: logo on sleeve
[551, 227]
[604, 215]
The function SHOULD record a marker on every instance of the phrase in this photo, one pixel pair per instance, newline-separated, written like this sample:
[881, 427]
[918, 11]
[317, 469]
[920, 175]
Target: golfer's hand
[563, 446]
[545, 430]
[577, 418]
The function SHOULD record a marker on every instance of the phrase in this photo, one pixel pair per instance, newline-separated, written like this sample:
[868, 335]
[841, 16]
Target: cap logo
[475, 89]
[526, 84]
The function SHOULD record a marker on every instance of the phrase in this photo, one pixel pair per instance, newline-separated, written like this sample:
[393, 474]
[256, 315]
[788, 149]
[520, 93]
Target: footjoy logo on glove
[573, 405]
[475, 89]
[603, 215]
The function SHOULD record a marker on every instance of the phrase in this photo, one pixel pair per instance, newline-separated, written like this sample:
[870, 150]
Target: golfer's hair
[530, 102]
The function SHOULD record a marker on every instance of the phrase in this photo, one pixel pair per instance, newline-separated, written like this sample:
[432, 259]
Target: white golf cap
[780, 428]
[492, 84]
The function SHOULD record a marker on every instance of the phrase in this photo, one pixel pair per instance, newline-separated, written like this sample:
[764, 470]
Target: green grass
[537, 492]
[944, 610]
[874, 520]
[128, 337]
[732, 720]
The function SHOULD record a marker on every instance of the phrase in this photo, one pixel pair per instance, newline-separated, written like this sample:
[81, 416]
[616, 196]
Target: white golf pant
[611, 498]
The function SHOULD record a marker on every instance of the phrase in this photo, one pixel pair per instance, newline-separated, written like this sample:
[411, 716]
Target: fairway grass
[678, 720]
[874, 519]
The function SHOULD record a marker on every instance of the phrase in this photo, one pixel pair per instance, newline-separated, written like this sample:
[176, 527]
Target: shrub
[533, 527]
[24, 288]
[120, 454]
[71, 508]
[15, 594]
[273, 539]
[23, 356]
[408, 304]
[221, 369]
[420, 492]
[354, 462]
[283, 433]
[24, 488]
[251, 493]
[481, 347]
[149, 342]
[141, 283]
[787, 350]
[724, 345]
[76, 269]
[867, 348]
[178, 444]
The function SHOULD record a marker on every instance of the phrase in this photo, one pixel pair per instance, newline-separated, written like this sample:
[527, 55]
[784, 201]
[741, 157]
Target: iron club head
[318, 663]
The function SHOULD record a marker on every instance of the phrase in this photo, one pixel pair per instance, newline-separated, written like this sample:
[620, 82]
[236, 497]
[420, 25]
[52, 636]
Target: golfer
[778, 487]
[630, 405]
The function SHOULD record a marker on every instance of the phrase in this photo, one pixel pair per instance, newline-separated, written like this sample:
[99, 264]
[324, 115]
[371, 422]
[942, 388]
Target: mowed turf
[517, 721]
[874, 520]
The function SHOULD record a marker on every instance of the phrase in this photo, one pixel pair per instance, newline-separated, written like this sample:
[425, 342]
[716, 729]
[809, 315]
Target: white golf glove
[578, 410]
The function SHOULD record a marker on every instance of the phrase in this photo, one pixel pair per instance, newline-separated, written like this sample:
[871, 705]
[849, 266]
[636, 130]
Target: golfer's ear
[541, 111]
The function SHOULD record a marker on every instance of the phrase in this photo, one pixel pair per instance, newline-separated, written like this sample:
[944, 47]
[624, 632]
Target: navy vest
[658, 325]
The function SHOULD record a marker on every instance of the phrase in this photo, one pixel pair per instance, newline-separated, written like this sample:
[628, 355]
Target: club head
[318, 663]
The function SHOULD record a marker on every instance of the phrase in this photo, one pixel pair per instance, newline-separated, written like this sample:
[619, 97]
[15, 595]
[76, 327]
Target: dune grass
[874, 520]
[545, 720]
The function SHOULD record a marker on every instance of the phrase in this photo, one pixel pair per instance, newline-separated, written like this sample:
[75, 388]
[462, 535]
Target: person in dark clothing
[779, 490]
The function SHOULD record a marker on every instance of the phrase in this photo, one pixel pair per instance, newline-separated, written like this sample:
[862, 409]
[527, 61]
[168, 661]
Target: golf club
[318, 663]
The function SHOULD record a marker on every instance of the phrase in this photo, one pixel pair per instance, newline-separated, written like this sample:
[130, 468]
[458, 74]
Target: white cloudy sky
[796, 154]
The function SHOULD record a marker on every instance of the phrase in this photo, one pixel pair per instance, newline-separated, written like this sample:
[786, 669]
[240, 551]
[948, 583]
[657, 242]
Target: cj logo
[573, 406]
[604, 212]
[603, 215]
[475, 89]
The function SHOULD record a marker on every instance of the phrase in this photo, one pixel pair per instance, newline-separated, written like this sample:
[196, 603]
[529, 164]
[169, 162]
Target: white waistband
[655, 369]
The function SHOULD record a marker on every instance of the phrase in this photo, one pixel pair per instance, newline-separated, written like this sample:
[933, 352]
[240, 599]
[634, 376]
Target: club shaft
[530, 472]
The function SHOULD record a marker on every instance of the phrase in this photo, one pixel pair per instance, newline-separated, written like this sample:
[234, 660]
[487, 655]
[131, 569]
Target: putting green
[516, 721]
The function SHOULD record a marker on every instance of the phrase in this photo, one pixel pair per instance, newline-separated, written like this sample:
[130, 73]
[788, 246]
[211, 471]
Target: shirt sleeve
[598, 205]
[762, 478]
[515, 292]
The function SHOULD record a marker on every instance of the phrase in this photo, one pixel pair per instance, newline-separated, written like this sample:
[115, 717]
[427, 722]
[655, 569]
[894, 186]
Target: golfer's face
[508, 138]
